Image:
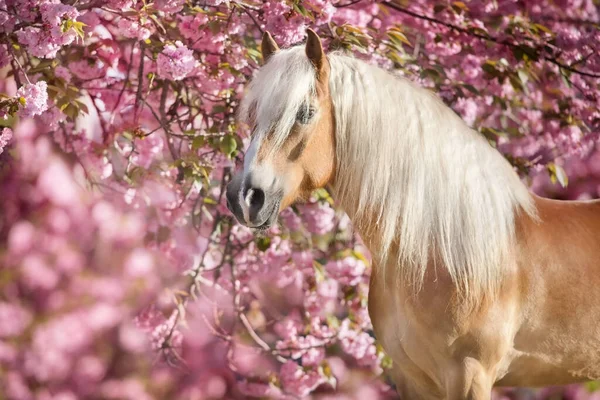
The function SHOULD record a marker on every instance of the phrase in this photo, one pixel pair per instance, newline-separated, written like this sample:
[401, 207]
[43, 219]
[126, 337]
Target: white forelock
[277, 92]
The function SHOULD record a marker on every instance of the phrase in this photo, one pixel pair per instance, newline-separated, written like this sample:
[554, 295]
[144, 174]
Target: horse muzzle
[252, 205]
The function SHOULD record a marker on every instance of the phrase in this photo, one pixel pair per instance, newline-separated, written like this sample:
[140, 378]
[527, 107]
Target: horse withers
[475, 281]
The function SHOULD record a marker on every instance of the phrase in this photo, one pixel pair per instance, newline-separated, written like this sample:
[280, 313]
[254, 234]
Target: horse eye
[305, 115]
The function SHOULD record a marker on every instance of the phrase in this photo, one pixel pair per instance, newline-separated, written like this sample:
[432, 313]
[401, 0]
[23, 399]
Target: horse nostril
[256, 201]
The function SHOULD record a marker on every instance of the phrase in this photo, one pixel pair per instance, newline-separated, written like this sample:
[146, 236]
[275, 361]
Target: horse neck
[416, 180]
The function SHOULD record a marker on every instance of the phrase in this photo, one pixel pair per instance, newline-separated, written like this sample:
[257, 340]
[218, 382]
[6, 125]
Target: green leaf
[490, 67]
[516, 83]
[525, 53]
[158, 23]
[353, 29]
[431, 74]
[478, 31]
[263, 243]
[55, 90]
[518, 53]
[592, 386]
[557, 174]
[523, 76]
[470, 88]
[333, 322]
[321, 194]
[459, 7]
[393, 56]
[214, 26]
[254, 54]
[299, 10]
[438, 8]
[491, 133]
[228, 145]
[82, 107]
[219, 109]
[360, 256]
[66, 25]
[319, 272]
[46, 64]
[78, 28]
[204, 171]
[543, 28]
[72, 92]
[565, 78]
[326, 371]
[514, 131]
[386, 361]
[71, 111]
[198, 142]
[399, 37]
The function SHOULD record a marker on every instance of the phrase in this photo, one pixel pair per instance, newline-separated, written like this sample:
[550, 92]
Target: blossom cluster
[123, 275]
[76, 272]
[34, 98]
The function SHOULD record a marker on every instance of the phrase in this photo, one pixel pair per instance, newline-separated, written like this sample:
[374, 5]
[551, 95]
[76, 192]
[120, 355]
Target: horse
[476, 282]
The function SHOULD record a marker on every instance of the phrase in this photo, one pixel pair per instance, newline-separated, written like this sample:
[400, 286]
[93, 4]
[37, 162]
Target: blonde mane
[408, 167]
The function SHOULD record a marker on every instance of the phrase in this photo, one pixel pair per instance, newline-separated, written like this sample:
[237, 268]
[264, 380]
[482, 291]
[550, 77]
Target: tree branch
[138, 96]
[488, 38]
[163, 119]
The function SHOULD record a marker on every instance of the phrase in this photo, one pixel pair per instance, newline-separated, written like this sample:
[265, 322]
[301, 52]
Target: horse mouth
[271, 219]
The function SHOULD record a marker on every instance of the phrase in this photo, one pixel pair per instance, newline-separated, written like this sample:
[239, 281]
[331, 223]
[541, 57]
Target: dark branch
[140, 88]
[488, 38]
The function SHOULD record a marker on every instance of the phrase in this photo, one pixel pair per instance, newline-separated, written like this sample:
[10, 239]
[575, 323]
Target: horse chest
[425, 336]
[404, 336]
[389, 318]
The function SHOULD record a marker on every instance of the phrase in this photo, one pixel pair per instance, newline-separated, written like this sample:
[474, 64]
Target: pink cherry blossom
[117, 123]
[4, 57]
[62, 72]
[298, 381]
[35, 99]
[14, 319]
[5, 136]
[318, 217]
[133, 29]
[169, 6]
[175, 62]
[348, 271]
[255, 389]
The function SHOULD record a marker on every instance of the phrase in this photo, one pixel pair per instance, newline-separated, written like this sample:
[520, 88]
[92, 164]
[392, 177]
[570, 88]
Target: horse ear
[314, 50]
[268, 46]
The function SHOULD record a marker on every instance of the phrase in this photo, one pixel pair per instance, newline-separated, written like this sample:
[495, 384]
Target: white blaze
[254, 176]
